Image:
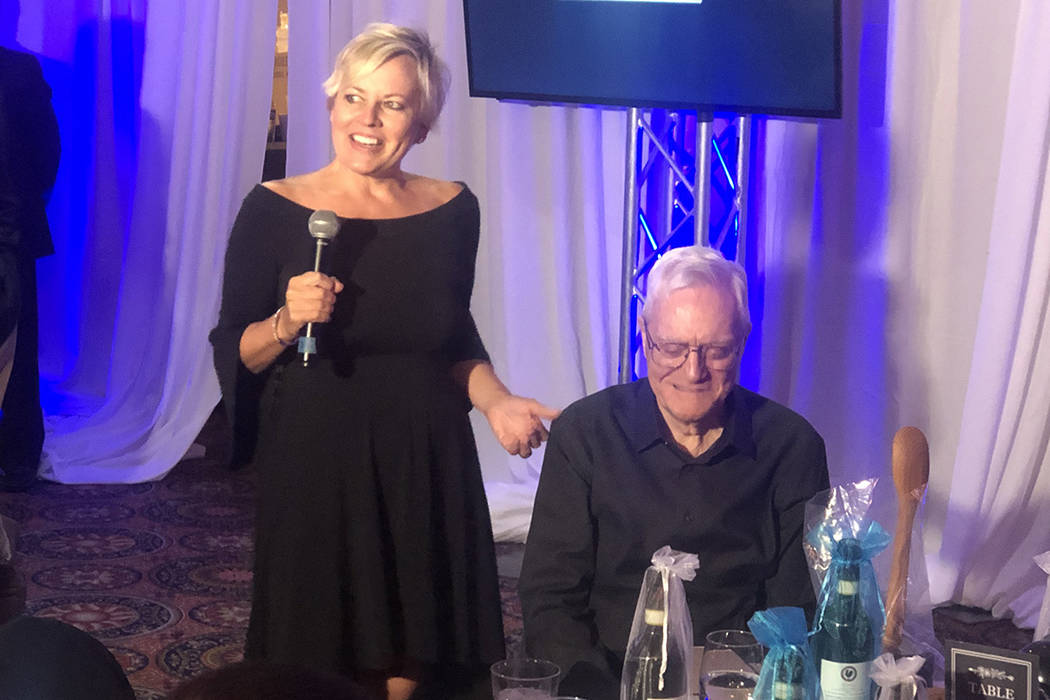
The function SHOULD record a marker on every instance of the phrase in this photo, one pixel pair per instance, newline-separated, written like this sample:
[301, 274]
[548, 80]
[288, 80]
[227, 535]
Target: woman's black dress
[373, 540]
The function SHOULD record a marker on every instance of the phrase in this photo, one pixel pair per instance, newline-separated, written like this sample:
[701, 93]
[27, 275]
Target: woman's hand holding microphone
[309, 298]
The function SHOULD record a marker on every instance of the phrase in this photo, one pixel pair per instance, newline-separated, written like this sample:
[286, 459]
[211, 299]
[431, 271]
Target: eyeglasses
[673, 355]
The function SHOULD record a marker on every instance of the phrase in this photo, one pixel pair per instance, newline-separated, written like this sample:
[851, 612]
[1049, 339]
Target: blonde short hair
[692, 266]
[377, 44]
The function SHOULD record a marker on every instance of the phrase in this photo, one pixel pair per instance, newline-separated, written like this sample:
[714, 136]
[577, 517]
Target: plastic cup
[524, 679]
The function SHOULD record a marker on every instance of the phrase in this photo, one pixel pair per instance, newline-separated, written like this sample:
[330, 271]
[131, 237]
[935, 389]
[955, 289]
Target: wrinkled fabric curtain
[550, 184]
[903, 270]
[163, 109]
[1000, 485]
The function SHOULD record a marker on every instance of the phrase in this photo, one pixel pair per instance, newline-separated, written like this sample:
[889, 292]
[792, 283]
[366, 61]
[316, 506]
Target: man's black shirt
[614, 489]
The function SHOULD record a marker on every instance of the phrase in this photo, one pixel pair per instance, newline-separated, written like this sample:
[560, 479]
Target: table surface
[935, 693]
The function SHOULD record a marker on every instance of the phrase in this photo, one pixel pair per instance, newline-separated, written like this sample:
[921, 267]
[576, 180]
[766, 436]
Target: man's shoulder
[768, 415]
[18, 65]
[602, 405]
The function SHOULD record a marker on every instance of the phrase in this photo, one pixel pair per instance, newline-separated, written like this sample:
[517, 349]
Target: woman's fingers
[310, 297]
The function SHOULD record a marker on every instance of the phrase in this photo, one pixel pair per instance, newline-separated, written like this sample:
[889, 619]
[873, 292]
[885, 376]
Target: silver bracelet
[277, 336]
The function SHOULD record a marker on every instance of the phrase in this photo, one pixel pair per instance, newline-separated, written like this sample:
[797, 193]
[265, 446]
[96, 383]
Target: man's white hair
[695, 266]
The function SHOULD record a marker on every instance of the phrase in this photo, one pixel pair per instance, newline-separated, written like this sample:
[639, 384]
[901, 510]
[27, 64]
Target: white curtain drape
[163, 109]
[904, 270]
[1000, 486]
[550, 183]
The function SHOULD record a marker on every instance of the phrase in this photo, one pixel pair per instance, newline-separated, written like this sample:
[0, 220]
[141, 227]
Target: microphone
[323, 226]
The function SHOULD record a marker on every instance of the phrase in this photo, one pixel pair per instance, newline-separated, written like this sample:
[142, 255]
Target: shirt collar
[644, 426]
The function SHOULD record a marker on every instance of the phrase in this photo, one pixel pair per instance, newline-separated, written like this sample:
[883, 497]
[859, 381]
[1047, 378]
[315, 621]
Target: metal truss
[686, 184]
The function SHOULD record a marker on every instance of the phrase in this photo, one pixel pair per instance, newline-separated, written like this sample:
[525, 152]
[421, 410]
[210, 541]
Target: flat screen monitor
[777, 57]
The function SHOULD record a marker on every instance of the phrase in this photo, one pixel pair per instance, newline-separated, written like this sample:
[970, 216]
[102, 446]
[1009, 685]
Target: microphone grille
[323, 224]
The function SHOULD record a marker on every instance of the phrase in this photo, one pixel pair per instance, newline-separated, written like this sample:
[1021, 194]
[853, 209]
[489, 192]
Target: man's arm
[558, 571]
[803, 474]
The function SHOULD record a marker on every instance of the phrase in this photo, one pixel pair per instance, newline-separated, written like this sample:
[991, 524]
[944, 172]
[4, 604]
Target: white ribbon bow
[888, 672]
[681, 564]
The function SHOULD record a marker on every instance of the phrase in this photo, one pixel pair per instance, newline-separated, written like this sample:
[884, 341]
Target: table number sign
[975, 672]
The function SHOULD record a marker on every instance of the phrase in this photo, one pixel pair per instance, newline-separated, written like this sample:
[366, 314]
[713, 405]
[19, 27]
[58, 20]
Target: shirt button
[688, 517]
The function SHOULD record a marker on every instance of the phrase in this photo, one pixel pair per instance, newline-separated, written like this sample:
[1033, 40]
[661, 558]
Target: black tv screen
[746, 56]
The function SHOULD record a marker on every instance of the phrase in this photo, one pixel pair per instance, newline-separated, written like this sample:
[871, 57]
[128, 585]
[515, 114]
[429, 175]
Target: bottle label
[845, 681]
[654, 617]
[847, 587]
[787, 691]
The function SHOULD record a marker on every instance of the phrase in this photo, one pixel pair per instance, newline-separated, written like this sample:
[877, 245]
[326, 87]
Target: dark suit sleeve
[32, 148]
[802, 474]
[558, 570]
[43, 127]
[9, 236]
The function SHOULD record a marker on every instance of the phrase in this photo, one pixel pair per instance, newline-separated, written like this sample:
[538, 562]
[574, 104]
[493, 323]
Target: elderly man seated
[685, 458]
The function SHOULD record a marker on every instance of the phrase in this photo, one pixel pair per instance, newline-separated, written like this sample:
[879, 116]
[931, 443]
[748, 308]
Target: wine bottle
[844, 642]
[641, 679]
[789, 675]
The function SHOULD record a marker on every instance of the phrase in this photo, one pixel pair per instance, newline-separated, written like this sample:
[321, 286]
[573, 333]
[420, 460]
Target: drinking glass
[730, 665]
[524, 679]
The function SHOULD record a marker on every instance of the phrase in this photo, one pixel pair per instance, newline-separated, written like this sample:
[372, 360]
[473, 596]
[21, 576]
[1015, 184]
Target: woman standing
[374, 554]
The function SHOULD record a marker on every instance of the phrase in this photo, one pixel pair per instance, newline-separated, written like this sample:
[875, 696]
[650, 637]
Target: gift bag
[847, 629]
[660, 647]
[898, 679]
[787, 672]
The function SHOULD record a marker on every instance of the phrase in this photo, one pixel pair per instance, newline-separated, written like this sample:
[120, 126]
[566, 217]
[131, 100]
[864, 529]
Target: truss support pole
[743, 179]
[657, 188]
[702, 180]
[630, 248]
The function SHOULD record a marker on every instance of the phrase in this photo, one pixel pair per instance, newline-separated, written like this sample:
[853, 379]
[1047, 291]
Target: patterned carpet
[159, 572]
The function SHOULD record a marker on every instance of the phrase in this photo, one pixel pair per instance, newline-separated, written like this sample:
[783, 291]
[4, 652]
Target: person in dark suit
[9, 294]
[683, 457]
[29, 164]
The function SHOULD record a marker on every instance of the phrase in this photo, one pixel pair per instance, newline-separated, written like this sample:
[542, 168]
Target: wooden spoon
[911, 473]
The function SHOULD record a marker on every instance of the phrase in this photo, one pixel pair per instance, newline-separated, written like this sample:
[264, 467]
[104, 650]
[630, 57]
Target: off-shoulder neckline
[462, 193]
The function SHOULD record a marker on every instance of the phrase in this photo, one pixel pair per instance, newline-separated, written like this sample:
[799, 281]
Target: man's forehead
[697, 308]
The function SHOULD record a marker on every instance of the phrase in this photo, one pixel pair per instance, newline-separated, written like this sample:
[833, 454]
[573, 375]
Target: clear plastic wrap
[660, 647]
[842, 511]
[898, 679]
